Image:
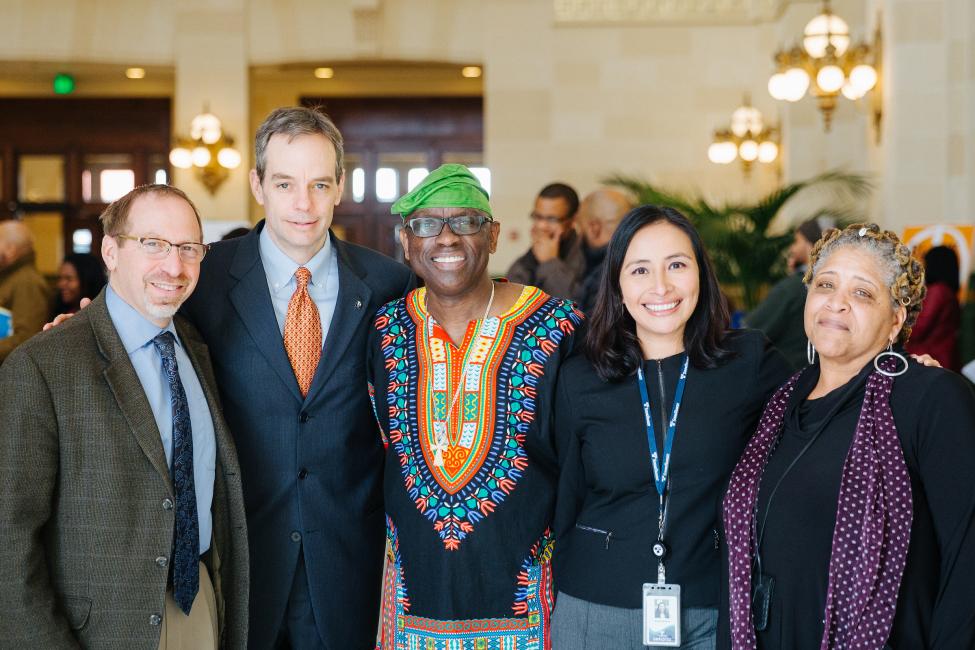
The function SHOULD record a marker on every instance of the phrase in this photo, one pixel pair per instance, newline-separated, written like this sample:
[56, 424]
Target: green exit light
[63, 84]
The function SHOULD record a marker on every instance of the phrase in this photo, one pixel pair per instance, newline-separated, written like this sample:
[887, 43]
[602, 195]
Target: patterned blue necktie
[186, 542]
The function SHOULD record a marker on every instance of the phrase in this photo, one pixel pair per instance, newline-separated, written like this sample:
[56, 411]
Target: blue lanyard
[661, 466]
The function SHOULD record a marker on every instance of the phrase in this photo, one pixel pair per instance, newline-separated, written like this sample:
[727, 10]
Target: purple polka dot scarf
[871, 535]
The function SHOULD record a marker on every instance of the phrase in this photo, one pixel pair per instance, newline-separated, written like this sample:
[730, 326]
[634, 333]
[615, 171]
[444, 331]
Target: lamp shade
[863, 78]
[748, 150]
[778, 86]
[200, 156]
[206, 127]
[797, 83]
[830, 78]
[229, 158]
[824, 30]
[768, 151]
[181, 157]
[722, 153]
[746, 119]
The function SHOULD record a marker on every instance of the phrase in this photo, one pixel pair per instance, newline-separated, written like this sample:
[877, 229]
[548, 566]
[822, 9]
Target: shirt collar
[133, 328]
[280, 268]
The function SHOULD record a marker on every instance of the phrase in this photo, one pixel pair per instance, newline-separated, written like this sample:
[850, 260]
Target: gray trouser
[581, 625]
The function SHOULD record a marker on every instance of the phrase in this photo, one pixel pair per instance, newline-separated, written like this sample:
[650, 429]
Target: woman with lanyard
[850, 518]
[649, 424]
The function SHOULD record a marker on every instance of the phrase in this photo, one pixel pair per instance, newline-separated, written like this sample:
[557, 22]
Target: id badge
[661, 614]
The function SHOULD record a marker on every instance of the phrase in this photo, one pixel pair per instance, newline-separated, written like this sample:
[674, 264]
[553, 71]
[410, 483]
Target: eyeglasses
[155, 248]
[462, 224]
[551, 220]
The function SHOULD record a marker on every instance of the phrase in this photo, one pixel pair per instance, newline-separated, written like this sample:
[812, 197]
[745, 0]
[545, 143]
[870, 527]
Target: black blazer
[311, 468]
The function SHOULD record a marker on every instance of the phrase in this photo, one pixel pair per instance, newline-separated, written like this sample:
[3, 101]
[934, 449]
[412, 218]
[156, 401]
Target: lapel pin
[358, 304]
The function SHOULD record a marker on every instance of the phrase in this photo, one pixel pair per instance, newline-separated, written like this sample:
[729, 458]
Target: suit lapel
[127, 388]
[351, 308]
[252, 300]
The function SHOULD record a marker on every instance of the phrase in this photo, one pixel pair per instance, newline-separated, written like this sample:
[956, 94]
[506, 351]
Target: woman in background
[81, 276]
[936, 330]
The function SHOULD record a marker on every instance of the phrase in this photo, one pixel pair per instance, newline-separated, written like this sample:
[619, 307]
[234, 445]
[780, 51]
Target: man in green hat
[461, 373]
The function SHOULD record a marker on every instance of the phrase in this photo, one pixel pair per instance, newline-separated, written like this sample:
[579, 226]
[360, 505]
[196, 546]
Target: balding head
[16, 241]
[599, 214]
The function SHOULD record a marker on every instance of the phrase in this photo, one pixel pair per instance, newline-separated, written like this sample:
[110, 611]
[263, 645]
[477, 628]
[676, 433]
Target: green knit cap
[448, 186]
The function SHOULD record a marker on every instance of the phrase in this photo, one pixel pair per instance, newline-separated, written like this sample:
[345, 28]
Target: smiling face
[69, 284]
[450, 265]
[660, 285]
[551, 217]
[299, 193]
[154, 287]
[849, 316]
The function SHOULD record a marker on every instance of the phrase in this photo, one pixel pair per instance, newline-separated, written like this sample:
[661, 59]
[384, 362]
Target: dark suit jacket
[312, 467]
[85, 496]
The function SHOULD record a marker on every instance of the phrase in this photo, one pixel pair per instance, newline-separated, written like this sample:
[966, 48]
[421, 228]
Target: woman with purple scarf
[850, 518]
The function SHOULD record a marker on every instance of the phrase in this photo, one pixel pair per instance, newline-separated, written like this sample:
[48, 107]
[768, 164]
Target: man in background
[555, 262]
[599, 214]
[779, 316]
[23, 292]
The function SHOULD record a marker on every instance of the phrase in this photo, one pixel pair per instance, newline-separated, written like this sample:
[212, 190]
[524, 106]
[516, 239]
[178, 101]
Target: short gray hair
[293, 121]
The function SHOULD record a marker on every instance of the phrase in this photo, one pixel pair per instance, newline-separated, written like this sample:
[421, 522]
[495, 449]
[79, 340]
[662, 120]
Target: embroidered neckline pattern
[485, 456]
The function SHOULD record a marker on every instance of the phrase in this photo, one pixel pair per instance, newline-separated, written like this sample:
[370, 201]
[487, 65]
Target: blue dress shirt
[279, 269]
[137, 333]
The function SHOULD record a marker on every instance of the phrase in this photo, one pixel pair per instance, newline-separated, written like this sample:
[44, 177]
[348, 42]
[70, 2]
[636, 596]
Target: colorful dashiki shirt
[470, 547]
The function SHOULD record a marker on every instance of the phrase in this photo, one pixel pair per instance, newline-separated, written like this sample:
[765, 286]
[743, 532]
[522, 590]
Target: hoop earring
[889, 352]
[810, 352]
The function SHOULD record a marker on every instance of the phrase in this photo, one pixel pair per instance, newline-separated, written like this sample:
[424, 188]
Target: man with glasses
[555, 262]
[120, 495]
[462, 373]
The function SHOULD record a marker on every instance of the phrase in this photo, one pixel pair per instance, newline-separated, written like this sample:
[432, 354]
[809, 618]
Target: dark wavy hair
[91, 276]
[611, 341]
[941, 265]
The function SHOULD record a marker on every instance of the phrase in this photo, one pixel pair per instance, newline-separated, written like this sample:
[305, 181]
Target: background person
[23, 291]
[81, 276]
[659, 313]
[855, 494]
[599, 214]
[779, 316]
[555, 262]
[937, 327]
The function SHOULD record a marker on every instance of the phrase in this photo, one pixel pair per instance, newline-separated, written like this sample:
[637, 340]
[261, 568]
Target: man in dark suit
[123, 515]
[286, 311]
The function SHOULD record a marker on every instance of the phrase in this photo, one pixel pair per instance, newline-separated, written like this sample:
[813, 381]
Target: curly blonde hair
[902, 272]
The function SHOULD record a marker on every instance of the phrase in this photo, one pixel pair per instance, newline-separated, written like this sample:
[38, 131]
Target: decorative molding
[666, 12]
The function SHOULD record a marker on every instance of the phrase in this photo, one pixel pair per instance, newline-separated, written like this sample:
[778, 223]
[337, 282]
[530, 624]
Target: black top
[934, 412]
[607, 507]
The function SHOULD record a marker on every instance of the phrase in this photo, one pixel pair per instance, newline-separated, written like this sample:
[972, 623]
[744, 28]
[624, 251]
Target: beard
[165, 308]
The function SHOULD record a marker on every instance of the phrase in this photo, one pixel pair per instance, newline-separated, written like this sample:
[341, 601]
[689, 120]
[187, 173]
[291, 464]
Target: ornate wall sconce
[208, 150]
[748, 139]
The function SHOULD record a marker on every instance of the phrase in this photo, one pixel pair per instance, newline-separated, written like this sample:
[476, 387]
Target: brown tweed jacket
[86, 497]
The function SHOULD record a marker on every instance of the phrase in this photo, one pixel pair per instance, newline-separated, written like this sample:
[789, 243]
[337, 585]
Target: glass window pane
[81, 241]
[46, 227]
[484, 176]
[106, 177]
[402, 162]
[358, 185]
[414, 176]
[355, 180]
[41, 179]
[159, 168]
[387, 187]
[116, 183]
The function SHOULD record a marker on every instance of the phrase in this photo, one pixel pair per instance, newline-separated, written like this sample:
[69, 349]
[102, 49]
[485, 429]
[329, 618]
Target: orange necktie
[303, 332]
